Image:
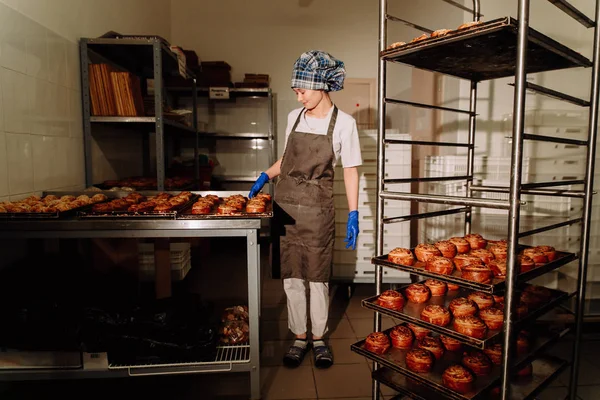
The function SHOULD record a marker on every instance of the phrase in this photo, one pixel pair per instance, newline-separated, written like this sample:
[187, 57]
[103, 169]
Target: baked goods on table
[419, 360]
[440, 265]
[477, 362]
[402, 337]
[450, 344]
[461, 307]
[458, 378]
[417, 293]
[437, 288]
[493, 317]
[49, 204]
[391, 299]
[483, 300]
[436, 315]
[471, 326]
[424, 252]
[401, 256]
[377, 342]
[231, 205]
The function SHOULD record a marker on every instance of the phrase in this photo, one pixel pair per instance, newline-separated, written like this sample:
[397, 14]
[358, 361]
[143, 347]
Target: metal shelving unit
[148, 58]
[238, 358]
[499, 48]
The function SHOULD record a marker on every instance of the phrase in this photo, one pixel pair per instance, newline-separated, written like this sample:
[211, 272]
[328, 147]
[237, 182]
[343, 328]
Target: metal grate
[225, 355]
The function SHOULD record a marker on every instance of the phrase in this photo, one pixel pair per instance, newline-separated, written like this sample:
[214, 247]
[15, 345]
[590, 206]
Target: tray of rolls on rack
[473, 262]
[210, 206]
[50, 206]
[142, 205]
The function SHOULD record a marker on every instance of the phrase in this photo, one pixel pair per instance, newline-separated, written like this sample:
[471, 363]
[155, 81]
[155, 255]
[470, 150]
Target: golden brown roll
[436, 315]
[458, 378]
[477, 273]
[432, 344]
[494, 353]
[452, 286]
[476, 241]
[447, 248]
[462, 246]
[440, 265]
[478, 363]
[468, 25]
[450, 344]
[420, 38]
[437, 288]
[485, 255]
[424, 252]
[549, 251]
[525, 263]
[419, 360]
[391, 299]
[461, 307]
[471, 326]
[419, 331]
[493, 317]
[402, 337]
[499, 252]
[464, 260]
[401, 256]
[440, 33]
[377, 342]
[498, 268]
[417, 293]
[483, 300]
[537, 256]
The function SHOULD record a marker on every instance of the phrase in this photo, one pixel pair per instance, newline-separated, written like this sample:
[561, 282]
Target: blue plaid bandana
[317, 70]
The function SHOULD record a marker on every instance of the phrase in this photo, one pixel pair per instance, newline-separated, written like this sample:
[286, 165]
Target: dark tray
[487, 51]
[497, 285]
[395, 360]
[137, 215]
[545, 369]
[412, 313]
[187, 214]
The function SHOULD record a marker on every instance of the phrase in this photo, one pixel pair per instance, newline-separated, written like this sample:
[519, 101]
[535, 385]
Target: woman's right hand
[258, 185]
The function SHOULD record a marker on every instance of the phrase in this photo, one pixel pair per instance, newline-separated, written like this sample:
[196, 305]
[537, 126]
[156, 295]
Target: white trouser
[295, 289]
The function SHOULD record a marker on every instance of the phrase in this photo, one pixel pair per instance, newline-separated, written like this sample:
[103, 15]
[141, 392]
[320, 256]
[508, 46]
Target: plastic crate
[180, 260]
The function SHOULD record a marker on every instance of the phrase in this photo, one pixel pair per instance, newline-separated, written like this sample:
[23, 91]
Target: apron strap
[298, 120]
[332, 121]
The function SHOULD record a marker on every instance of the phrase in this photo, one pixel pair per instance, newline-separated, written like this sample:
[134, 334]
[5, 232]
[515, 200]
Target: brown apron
[305, 210]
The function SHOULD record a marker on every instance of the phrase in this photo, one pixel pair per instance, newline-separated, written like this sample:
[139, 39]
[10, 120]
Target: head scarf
[318, 70]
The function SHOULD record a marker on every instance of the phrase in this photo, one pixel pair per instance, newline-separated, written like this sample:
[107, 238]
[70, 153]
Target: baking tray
[395, 360]
[187, 214]
[545, 369]
[412, 313]
[137, 215]
[487, 51]
[497, 285]
[50, 216]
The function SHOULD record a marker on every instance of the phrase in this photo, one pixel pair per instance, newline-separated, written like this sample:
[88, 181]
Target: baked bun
[462, 246]
[417, 293]
[525, 263]
[478, 363]
[462, 307]
[477, 273]
[494, 353]
[256, 206]
[391, 299]
[447, 248]
[433, 345]
[436, 315]
[464, 260]
[476, 241]
[537, 256]
[419, 38]
[523, 344]
[450, 344]
[377, 342]
[419, 331]
[452, 286]
[402, 337]
[437, 288]
[419, 360]
[396, 45]
[401, 256]
[498, 268]
[493, 317]
[440, 33]
[471, 326]
[425, 252]
[468, 25]
[458, 378]
[440, 265]
[483, 300]
[549, 251]
[498, 251]
[485, 255]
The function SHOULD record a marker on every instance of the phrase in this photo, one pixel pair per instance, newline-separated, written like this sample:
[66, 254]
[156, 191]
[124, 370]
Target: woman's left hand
[352, 230]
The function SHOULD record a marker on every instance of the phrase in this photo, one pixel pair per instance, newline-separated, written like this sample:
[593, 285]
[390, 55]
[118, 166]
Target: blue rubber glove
[352, 230]
[258, 185]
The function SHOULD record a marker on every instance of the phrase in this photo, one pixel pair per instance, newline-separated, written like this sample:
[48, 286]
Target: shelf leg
[254, 310]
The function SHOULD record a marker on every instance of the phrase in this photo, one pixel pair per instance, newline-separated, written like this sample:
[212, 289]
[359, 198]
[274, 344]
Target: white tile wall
[41, 135]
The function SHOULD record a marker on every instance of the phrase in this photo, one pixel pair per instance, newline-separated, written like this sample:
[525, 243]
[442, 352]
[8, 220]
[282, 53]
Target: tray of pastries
[473, 261]
[456, 370]
[50, 206]
[461, 315]
[139, 205]
[211, 206]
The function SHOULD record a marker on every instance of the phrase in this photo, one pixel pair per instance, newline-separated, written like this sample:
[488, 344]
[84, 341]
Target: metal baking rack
[172, 214]
[187, 214]
[394, 359]
[497, 285]
[46, 216]
[412, 313]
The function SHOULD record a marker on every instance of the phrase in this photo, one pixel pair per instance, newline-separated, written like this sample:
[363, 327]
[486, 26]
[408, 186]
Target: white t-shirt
[345, 134]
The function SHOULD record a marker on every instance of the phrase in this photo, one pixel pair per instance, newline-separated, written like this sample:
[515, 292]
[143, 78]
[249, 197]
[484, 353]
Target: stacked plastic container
[355, 265]
[180, 258]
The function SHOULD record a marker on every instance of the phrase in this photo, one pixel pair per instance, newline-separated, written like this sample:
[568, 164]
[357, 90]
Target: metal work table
[244, 358]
